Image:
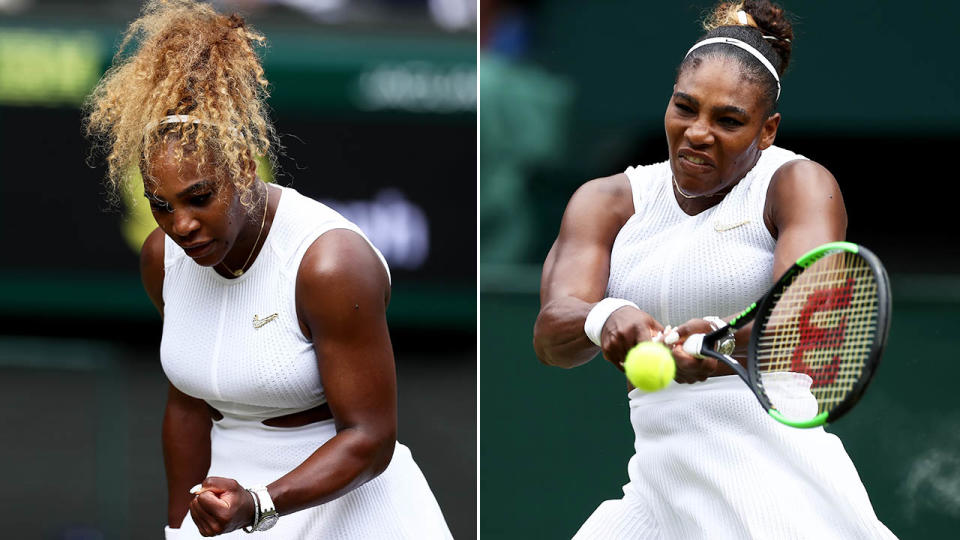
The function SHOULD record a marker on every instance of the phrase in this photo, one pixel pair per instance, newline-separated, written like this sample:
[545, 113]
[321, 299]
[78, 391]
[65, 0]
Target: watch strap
[266, 514]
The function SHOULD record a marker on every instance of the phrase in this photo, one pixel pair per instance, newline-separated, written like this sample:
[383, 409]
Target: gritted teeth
[694, 159]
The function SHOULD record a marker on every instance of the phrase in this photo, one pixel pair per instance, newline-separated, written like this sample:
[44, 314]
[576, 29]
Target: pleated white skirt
[397, 504]
[710, 463]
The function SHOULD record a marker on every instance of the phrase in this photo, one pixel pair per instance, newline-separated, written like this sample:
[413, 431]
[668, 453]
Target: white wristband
[599, 314]
[715, 322]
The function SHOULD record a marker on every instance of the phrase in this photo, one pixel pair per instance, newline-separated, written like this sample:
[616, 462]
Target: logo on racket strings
[815, 337]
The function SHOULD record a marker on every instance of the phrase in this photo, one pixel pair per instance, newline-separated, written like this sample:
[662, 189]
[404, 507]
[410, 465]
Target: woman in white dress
[674, 244]
[281, 414]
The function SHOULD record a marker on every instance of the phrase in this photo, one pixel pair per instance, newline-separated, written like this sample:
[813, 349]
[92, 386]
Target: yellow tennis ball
[649, 366]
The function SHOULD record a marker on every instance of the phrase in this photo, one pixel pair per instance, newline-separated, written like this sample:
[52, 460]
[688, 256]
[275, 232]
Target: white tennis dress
[709, 462]
[212, 350]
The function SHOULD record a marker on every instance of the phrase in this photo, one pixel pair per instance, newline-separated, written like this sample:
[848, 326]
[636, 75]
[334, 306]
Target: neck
[251, 238]
[694, 204]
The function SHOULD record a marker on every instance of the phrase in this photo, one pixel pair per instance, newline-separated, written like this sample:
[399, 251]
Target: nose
[184, 224]
[699, 134]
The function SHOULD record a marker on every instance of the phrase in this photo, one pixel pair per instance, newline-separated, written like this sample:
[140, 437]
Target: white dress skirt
[397, 504]
[710, 463]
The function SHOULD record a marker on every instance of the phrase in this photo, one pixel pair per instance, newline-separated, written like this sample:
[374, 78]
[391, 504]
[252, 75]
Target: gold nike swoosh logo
[722, 228]
[258, 322]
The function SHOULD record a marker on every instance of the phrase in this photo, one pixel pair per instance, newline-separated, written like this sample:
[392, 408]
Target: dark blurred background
[375, 101]
[571, 91]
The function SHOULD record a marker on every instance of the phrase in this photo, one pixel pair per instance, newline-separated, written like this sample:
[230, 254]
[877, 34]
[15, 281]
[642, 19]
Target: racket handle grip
[693, 345]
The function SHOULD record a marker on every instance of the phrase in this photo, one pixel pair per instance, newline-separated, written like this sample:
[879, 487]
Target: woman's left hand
[222, 505]
[689, 368]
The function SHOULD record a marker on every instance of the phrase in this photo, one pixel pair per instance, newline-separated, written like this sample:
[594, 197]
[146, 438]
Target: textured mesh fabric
[709, 462]
[677, 267]
[211, 349]
[396, 505]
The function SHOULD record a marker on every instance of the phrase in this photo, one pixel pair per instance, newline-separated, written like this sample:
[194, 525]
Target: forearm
[351, 458]
[558, 336]
[186, 454]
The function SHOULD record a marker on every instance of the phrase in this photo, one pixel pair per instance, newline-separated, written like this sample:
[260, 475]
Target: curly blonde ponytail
[189, 60]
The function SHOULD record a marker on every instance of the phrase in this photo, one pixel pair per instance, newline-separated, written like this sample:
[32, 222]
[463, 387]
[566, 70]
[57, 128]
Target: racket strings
[822, 325]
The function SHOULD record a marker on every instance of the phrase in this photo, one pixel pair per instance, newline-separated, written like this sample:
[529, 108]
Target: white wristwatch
[265, 513]
[728, 343]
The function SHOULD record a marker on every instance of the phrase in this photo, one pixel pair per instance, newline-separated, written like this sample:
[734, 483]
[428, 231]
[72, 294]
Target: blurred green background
[570, 92]
[375, 101]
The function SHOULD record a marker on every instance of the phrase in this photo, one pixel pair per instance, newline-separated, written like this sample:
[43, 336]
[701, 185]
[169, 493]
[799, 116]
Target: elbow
[384, 454]
[539, 342]
[378, 447]
[543, 345]
[543, 354]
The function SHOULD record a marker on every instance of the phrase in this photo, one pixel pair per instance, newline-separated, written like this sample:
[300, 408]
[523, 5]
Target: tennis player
[281, 415]
[686, 242]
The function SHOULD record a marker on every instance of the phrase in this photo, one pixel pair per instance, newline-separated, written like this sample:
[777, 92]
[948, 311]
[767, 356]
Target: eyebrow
[717, 110]
[195, 188]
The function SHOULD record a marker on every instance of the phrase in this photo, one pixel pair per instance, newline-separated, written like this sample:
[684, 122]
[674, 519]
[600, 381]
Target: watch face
[727, 345]
[267, 522]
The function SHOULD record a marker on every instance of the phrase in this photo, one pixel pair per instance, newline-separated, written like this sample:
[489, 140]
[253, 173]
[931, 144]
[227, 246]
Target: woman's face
[194, 205]
[716, 125]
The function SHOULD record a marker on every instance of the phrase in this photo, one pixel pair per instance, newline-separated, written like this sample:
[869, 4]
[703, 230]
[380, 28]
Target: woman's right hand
[623, 329]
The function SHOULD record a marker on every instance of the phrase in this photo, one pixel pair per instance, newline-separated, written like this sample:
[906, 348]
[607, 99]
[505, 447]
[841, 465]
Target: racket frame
[760, 311]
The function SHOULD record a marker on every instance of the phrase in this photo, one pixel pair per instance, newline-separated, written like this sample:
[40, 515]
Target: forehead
[168, 170]
[720, 81]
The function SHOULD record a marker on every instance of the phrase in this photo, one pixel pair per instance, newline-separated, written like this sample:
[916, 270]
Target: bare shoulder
[612, 193]
[800, 176]
[151, 267]
[341, 254]
[803, 191]
[340, 263]
[605, 202]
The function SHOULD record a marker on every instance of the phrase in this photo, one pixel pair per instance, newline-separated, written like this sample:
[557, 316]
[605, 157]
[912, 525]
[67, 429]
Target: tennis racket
[820, 330]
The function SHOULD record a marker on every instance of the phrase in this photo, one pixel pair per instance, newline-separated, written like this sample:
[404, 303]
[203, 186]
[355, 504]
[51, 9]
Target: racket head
[821, 329]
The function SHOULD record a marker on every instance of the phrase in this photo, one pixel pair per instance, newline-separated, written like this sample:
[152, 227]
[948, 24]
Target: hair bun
[769, 18]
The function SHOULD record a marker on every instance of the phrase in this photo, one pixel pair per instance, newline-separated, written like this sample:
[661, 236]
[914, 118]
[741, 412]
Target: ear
[768, 133]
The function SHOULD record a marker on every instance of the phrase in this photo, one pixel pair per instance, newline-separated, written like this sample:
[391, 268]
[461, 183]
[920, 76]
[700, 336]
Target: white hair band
[173, 119]
[180, 119]
[745, 46]
[184, 119]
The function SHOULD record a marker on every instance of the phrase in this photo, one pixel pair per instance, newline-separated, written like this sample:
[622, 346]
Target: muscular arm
[576, 270]
[186, 420]
[804, 209]
[186, 450]
[342, 292]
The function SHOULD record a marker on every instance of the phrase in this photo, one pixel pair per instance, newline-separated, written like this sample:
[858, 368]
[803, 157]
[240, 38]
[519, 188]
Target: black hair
[772, 38]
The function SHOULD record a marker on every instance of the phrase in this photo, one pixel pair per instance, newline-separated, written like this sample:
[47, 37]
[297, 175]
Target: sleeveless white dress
[709, 462]
[212, 350]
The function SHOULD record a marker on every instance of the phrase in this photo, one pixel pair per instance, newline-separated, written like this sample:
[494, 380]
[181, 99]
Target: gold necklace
[685, 196]
[680, 191]
[238, 273]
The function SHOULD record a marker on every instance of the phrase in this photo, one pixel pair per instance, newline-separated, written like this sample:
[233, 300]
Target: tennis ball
[649, 366]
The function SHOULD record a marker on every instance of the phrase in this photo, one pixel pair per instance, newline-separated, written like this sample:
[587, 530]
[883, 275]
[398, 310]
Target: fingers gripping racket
[822, 327]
